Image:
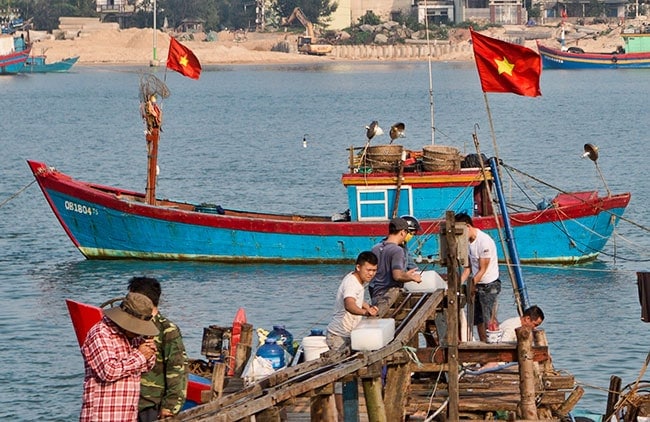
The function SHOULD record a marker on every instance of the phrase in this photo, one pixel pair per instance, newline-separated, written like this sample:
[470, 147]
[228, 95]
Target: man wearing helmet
[394, 268]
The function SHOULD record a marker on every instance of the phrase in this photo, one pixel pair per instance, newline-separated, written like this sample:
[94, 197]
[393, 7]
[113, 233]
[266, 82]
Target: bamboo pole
[374, 401]
[527, 407]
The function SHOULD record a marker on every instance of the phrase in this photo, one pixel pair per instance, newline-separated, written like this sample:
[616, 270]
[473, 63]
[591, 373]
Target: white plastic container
[431, 281]
[494, 336]
[313, 346]
[372, 334]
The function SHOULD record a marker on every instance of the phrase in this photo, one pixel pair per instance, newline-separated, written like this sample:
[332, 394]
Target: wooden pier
[416, 384]
[446, 380]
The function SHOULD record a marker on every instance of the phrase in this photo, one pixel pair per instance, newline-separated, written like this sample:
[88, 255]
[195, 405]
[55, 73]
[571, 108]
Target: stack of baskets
[384, 157]
[440, 158]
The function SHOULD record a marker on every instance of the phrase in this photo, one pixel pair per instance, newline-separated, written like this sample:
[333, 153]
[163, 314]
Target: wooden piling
[322, 405]
[527, 406]
[398, 381]
[612, 396]
[244, 348]
[218, 377]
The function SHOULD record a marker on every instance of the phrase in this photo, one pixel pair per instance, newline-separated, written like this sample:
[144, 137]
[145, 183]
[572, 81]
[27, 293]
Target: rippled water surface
[235, 138]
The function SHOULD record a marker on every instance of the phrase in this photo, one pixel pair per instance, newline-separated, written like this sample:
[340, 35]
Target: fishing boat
[12, 60]
[634, 54]
[39, 64]
[106, 222]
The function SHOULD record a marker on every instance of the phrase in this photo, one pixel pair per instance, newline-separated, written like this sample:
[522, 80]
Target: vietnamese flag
[182, 60]
[506, 67]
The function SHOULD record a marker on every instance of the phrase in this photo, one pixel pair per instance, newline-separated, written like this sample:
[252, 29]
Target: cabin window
[377, 204]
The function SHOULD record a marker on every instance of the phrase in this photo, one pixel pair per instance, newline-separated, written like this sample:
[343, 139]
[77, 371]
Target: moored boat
[634, 54]
[111, 223]
[12, 60]
[39, 64]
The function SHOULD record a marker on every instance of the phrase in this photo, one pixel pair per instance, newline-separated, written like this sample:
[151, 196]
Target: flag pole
[492, 132]
[510, 254]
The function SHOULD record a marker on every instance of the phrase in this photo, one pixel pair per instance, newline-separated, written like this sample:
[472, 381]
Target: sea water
[235, 138]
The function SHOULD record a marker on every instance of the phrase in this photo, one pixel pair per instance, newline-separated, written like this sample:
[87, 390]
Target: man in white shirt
[350, 306]
[531, 319]
[484, 284]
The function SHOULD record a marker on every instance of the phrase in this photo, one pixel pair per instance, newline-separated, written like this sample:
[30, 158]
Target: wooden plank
[481, 353]
[558, 382]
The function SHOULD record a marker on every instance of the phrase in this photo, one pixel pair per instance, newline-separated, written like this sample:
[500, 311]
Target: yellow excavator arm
[298, 14]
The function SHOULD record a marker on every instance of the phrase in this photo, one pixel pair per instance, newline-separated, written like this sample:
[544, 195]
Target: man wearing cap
[392, 271]
[117, 350]
[163, 389]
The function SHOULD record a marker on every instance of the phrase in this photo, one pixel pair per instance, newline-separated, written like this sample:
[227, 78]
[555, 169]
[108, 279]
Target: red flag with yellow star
[506, 67]
[182, 60]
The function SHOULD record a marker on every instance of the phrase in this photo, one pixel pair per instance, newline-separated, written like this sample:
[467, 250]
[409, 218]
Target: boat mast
[150, 87]
[431, 105]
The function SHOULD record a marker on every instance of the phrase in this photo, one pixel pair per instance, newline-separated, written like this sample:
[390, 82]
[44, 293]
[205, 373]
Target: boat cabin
[424, 184]
[636, 42]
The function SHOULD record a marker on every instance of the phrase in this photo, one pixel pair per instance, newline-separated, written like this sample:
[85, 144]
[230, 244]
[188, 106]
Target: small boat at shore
[634, 54]
[39, 64]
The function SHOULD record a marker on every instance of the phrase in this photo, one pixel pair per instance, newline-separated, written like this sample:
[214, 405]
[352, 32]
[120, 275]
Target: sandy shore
[135, 46]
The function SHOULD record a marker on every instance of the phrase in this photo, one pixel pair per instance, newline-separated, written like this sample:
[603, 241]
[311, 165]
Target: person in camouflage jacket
[163, 389]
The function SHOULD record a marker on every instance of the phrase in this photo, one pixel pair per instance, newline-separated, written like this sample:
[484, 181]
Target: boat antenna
[429, 55]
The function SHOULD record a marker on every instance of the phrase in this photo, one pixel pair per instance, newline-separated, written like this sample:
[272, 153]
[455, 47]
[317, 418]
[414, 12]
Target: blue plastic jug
[273, 352]
[282, 337]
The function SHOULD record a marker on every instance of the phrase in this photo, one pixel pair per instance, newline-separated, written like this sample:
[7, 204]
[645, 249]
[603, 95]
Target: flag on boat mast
[506, 67]
[182, 60]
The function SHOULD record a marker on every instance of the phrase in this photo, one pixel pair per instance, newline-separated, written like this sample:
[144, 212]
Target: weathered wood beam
[481, 353]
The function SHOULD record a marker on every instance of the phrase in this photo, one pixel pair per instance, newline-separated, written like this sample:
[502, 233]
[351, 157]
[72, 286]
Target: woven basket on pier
[384, 157]
[440, 158]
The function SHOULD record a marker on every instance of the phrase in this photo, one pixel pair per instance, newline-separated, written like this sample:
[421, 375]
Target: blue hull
[557, 59]
[106, 223]
[37, 64]
[12, 64]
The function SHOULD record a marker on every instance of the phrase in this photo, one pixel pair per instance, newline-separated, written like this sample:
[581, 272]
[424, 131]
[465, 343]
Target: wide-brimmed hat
[134, 314]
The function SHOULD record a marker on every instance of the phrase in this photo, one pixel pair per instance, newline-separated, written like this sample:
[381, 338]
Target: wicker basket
[440, 158]
[384, 157]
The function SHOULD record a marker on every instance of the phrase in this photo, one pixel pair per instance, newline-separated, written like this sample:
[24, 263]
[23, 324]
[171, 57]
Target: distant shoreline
[134, 47]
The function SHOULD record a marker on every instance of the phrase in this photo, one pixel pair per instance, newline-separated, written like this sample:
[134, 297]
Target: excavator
[307, 44]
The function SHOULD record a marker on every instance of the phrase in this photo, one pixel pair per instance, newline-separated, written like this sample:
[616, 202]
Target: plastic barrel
[273, 352]
[281, 336]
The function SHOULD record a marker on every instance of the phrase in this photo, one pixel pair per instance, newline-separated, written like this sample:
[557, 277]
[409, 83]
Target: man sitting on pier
[531, 319]
[350, 307]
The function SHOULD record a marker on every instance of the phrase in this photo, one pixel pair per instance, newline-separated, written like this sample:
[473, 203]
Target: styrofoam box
[431, 281]
[372, 333]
